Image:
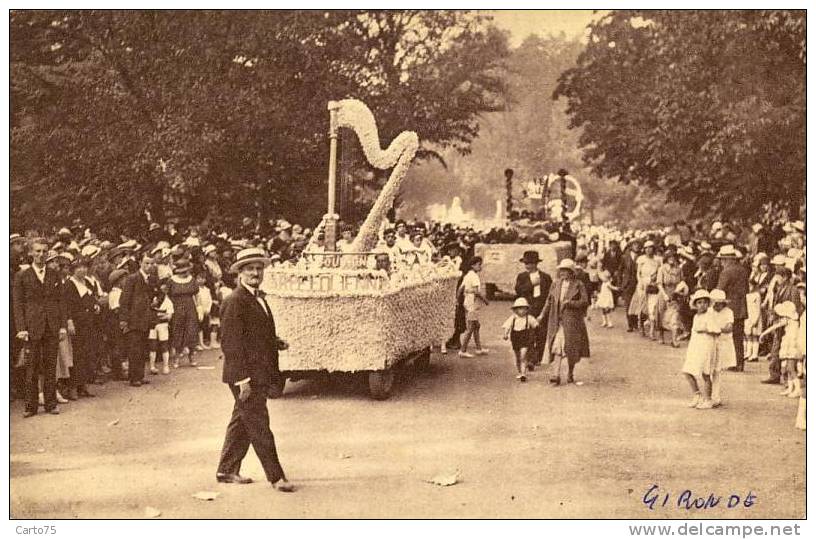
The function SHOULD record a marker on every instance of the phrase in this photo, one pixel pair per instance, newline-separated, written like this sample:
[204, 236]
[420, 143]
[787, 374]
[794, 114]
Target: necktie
[261, 295]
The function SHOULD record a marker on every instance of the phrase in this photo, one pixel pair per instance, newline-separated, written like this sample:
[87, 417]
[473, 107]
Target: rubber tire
[423, 360]
[276, 388]
[380, 384]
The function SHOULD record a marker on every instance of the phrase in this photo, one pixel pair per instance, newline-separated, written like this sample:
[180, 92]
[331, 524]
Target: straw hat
[182, 266]
[519, 303]
[248, 256]
[778, 260]
[700, 294]
[728, 251]
[798, 225]
[208, 249]
[567, 264]
[649, 243]
[90, 251]
[718, 296]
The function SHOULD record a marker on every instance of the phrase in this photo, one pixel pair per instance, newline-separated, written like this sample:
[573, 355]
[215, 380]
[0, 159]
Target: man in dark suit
[534, 286]
[250, 345]
[136, 316]
[40, 320]
[627, 281]
[733, 280]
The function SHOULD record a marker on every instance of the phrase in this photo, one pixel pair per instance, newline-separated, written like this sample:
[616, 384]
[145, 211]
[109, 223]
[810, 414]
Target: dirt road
[522, 450]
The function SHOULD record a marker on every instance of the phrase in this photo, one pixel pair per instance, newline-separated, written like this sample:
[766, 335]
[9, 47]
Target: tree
[707, 106]
[222, 114]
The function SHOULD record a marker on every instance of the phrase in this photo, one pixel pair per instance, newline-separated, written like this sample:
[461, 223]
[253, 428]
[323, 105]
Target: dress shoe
[232, 478]
[145, 382]
[555, 381]
[53, 411]
[732, 369]
[29, 413]
[570, 379]
[136, 384]
[770, 381]
[283, 485]
[83, 392]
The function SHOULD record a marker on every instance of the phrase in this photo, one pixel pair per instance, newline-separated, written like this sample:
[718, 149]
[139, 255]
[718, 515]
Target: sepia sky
[543, 22]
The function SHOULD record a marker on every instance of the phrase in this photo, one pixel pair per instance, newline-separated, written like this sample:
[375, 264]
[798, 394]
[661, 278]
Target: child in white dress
[753, 323]
[606, 300]
[700, 351]
[789, 354]
[520, 329]
[725, 356]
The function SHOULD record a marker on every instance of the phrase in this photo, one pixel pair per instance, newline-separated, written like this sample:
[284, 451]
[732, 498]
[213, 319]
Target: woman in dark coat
[565, 310]
[81, 309]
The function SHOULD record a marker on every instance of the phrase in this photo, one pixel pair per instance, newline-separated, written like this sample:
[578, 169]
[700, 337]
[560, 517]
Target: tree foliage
[708, 106]
[222, 114]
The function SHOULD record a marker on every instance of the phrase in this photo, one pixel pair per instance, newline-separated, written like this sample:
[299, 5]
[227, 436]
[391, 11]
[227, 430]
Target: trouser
[775, 366]
[716, 386]
[631, 319]
[555, 368]
[137, 343]
[739, 342]
[43, 363]
[84, 370]
[249, 425]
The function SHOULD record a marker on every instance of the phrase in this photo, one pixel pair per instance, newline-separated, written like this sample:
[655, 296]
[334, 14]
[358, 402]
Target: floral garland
[357, 116]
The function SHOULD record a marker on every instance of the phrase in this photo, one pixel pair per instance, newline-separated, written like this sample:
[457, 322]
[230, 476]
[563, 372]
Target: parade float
[340, 311]
[501, 261]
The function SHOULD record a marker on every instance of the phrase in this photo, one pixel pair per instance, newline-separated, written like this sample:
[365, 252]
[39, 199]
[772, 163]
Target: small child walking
[520, 329]
[701, 349]
[474, 298]
[606, 298]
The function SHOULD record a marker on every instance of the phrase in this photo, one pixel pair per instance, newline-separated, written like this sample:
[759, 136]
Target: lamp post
[331, 215]
[508, 185]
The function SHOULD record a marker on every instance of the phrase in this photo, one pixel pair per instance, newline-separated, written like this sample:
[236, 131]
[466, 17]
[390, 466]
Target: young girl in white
[789, 354]
[474, 298]
[520, 329]
[753, 324]
[606, 300]
[159, 336]
[204, 303]
[725, 357]
[701, 349]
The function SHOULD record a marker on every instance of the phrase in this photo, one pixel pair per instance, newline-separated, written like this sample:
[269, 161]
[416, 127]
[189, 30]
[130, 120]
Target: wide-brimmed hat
[802, 285]
[124, 262]
[53, 255]
[115, 275]
[530, 257]
[793, 252]
[728, 251]
[15, 238]
[153, 226]
[520, 303]
[700, 294]
[208, 249]
[649, 243]
[759, 257]
[249, 256]
[182, 266]
[705, 246]
[786, 309]
[64, 232]
[779, 260]
[567, 264]
[718, 296]
[90, 251]
[686, 253]
[756, 227]
[798, 225]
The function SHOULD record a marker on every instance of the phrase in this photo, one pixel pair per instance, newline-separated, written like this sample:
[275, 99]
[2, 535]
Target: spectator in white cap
[700, 352]
[565, 310]
[789, 353]
[722, 325]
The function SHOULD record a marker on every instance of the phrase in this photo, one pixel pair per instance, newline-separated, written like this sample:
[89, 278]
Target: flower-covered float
[338, 311]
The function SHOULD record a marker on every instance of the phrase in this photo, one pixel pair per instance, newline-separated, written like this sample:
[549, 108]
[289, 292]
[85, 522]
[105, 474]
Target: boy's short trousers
[160, 333]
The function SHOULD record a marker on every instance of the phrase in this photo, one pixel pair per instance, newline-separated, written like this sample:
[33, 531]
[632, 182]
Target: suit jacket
[627, 274]
[38, 307]
[135, 302]
[569, 315]
[248, 339]
[524, 289]
[733, 281]
[79, 309]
